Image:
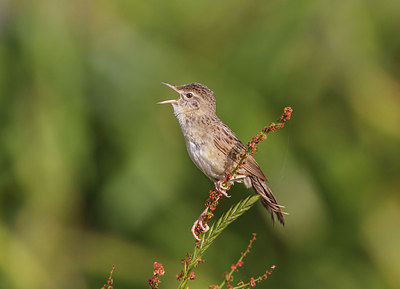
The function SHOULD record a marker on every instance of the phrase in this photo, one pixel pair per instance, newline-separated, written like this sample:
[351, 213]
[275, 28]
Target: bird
[214, 147]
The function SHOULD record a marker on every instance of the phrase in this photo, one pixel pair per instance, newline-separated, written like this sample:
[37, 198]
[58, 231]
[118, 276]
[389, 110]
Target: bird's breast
[207, 158]
[199, 138]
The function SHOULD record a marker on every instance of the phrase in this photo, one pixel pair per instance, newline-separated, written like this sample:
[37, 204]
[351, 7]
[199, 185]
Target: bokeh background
[94, 173]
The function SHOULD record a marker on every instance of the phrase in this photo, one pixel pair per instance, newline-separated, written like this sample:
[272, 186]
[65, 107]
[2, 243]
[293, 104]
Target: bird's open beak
[172, 101]
[168, 101]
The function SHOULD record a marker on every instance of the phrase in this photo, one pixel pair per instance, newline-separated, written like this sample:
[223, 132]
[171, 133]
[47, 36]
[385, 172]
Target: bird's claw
[199, 223]
[222, 188]
[198, 226]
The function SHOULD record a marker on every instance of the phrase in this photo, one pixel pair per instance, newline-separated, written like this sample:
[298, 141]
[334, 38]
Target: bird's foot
[222, 187]
[202, 228]
[238, 177]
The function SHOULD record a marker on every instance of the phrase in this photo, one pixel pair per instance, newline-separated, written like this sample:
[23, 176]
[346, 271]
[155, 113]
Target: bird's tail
[268, 199]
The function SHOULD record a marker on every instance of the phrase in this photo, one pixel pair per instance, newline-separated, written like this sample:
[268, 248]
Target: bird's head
[193, 98]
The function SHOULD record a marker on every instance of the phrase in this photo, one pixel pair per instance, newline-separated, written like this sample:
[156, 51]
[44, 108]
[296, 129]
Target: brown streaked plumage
[213, 146]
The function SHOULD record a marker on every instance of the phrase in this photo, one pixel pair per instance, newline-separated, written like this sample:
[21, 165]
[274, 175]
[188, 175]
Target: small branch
[158, 271]
[110, 280]
[254, 281]
[191, 261]
[239, 263]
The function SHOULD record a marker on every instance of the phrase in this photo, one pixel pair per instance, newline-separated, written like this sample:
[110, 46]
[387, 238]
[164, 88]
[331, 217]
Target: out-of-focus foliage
[94, 173]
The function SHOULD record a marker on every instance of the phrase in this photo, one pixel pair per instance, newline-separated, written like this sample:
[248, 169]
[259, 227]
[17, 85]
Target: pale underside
[219, 150]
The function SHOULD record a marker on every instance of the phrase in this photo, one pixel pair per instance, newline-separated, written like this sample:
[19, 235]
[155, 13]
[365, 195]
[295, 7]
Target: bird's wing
[230, 145]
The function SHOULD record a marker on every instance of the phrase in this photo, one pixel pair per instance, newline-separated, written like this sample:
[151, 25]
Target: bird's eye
[189, 95]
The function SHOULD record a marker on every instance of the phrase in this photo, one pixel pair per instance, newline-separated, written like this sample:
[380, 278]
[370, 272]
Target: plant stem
[215, 230]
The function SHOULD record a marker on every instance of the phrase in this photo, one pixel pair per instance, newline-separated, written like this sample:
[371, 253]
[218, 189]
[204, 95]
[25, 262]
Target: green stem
[248, 283]
[215, 230]
[231, 272]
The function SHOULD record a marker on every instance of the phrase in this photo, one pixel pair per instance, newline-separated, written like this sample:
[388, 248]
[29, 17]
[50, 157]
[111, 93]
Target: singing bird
[213, 146]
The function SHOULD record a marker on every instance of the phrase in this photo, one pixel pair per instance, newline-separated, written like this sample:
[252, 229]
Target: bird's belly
[208, 159]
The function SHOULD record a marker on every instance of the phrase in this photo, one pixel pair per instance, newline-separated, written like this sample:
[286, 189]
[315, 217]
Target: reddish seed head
[158, 269]
[228, 278]
[252, 282]
[180, 275]
[288, 111]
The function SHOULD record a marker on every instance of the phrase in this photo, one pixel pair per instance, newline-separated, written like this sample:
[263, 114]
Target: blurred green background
[94, 173]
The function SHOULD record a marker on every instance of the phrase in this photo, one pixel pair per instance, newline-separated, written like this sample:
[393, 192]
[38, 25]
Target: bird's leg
[238, 177]
[222, 188]
[199, 222]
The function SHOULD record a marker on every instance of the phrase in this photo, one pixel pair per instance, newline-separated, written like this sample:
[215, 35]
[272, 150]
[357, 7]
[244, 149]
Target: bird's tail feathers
[268, 199]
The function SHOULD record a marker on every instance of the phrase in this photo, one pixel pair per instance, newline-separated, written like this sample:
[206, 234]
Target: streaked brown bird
[213, 146]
